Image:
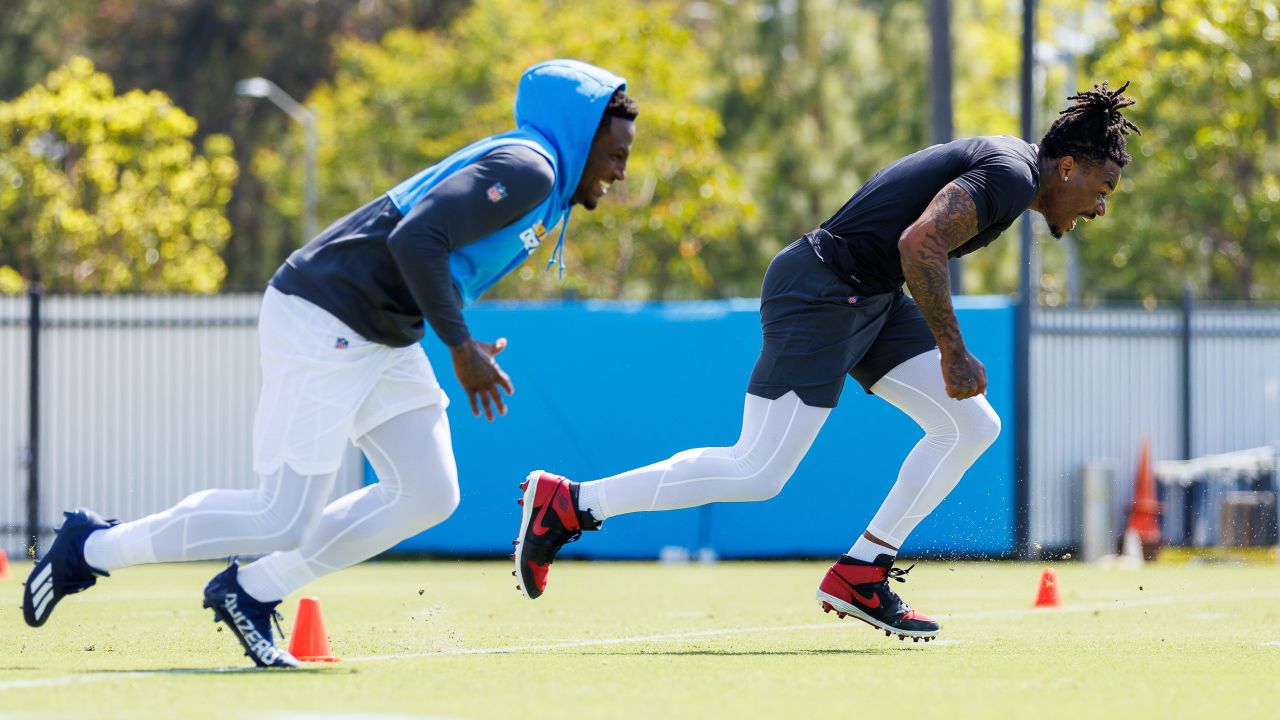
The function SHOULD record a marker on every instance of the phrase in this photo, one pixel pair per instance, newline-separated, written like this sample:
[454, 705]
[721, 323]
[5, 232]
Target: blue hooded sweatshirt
[354, 269]
[559, 104]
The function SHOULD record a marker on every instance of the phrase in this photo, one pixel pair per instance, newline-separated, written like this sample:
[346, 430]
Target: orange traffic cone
[1144, 517]
[4, 565]
[309, 641]
[1048, 595]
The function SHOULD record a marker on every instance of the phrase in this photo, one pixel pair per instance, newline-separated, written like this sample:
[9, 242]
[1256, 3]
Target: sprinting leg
[417, 488]
[776, 434]
[957, 432]
[209, 524]
[279, 514]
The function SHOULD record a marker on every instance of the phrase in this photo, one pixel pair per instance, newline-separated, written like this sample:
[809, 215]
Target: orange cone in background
[309, 642]
[1048, 595]
[1144, 517]
[4, 565]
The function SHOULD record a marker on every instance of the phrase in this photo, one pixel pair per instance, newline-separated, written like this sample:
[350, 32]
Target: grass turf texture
[635, 640]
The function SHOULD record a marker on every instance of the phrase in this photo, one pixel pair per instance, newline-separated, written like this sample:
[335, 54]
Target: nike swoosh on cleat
[871, 602]
[538, 527]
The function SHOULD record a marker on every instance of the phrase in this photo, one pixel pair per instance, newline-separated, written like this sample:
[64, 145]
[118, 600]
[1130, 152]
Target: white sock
[867, 550]
[119, 546]
[589, 500]
[957, 432]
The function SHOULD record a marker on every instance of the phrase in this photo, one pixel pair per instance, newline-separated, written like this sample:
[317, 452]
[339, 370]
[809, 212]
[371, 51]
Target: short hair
[1092, 129]
[621, 105]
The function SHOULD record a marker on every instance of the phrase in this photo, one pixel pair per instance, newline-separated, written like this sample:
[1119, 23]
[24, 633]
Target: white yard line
[662, 637]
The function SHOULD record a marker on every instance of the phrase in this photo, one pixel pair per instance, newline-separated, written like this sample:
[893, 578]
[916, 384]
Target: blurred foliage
[1201, 201]
[682, 225]
[759, 119]
[106, 193]
[800, 79]
[195, 51]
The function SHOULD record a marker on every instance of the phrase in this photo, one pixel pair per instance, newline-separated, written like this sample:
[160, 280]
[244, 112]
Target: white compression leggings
[287, 515]
[776, 434]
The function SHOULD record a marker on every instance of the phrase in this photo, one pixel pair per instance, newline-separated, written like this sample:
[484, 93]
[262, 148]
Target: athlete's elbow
[909, 240]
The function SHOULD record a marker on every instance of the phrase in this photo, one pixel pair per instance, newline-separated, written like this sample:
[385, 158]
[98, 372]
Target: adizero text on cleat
[62, 571]
[548, 520]
[861, 589]
[249, 619]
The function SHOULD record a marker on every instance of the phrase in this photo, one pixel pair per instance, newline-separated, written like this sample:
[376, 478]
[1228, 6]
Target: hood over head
[564, 100]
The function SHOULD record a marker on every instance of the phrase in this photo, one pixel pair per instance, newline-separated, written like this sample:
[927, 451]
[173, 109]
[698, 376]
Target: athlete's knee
[768, 487]
[764, 474]
[430, 503]
[981, 426]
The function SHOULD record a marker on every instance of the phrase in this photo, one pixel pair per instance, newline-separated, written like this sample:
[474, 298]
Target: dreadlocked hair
[1092, 129]
[621, 105]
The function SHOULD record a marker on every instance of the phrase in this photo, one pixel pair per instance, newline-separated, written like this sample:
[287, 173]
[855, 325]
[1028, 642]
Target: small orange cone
[1144, 516]
[4, 565]
[309, 642]
[1048, 595]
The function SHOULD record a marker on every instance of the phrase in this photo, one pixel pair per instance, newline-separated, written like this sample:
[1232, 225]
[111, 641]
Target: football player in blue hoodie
[339, 331]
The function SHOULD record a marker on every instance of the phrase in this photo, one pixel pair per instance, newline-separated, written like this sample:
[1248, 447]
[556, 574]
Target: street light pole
[260, 87]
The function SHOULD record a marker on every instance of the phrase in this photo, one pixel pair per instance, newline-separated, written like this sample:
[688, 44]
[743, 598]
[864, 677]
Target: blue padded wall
[602, 387]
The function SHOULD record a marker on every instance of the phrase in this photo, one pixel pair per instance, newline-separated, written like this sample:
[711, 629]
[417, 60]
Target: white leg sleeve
[957, 432]
[417, 488]
[776, 434]
[210, 524]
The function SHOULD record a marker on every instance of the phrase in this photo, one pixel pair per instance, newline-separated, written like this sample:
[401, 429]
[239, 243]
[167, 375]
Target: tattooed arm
[949, 221]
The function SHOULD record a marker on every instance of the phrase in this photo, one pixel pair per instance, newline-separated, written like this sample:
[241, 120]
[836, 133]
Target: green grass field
[450, 639]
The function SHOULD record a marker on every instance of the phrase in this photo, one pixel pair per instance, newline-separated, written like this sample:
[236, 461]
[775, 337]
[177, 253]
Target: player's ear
[1066, 166]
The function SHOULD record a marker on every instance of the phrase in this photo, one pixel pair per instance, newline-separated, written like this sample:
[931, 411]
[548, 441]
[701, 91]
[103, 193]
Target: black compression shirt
[1000, 173]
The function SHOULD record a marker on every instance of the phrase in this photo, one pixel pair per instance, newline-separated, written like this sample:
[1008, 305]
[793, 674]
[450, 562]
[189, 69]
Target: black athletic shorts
[818, 329]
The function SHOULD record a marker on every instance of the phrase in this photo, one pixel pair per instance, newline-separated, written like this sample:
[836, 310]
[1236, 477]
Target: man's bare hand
[964, 375]
[481, 378]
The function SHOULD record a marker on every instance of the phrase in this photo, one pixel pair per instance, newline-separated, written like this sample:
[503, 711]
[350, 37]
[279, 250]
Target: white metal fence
[1102, 379]
[143, 401]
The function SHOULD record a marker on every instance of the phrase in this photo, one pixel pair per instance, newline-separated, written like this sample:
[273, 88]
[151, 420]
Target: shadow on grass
[273, 672]
[760, 653]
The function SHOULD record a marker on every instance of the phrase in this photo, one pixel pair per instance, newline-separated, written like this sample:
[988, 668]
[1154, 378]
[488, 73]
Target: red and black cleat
[550, 519]
[861, 590]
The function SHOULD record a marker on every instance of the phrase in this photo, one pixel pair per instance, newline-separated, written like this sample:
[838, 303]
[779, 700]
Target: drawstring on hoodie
[558, 252]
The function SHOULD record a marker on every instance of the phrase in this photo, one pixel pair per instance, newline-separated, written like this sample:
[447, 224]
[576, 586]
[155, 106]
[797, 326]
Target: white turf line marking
[663, 637]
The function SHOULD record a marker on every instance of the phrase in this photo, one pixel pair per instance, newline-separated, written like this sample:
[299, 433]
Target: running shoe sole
[843, 609]
[530, 488]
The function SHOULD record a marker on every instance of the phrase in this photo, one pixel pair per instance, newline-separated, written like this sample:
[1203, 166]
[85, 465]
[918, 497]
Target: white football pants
[287, 515]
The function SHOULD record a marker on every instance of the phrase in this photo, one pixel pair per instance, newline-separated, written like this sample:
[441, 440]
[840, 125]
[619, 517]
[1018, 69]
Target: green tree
[683, 224]
[818, 95]
[195, 51]
[1201, 200]
[102, 192]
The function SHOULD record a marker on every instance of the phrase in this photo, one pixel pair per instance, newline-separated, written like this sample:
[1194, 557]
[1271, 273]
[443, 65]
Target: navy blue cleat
[62, 571]
[249, 619]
